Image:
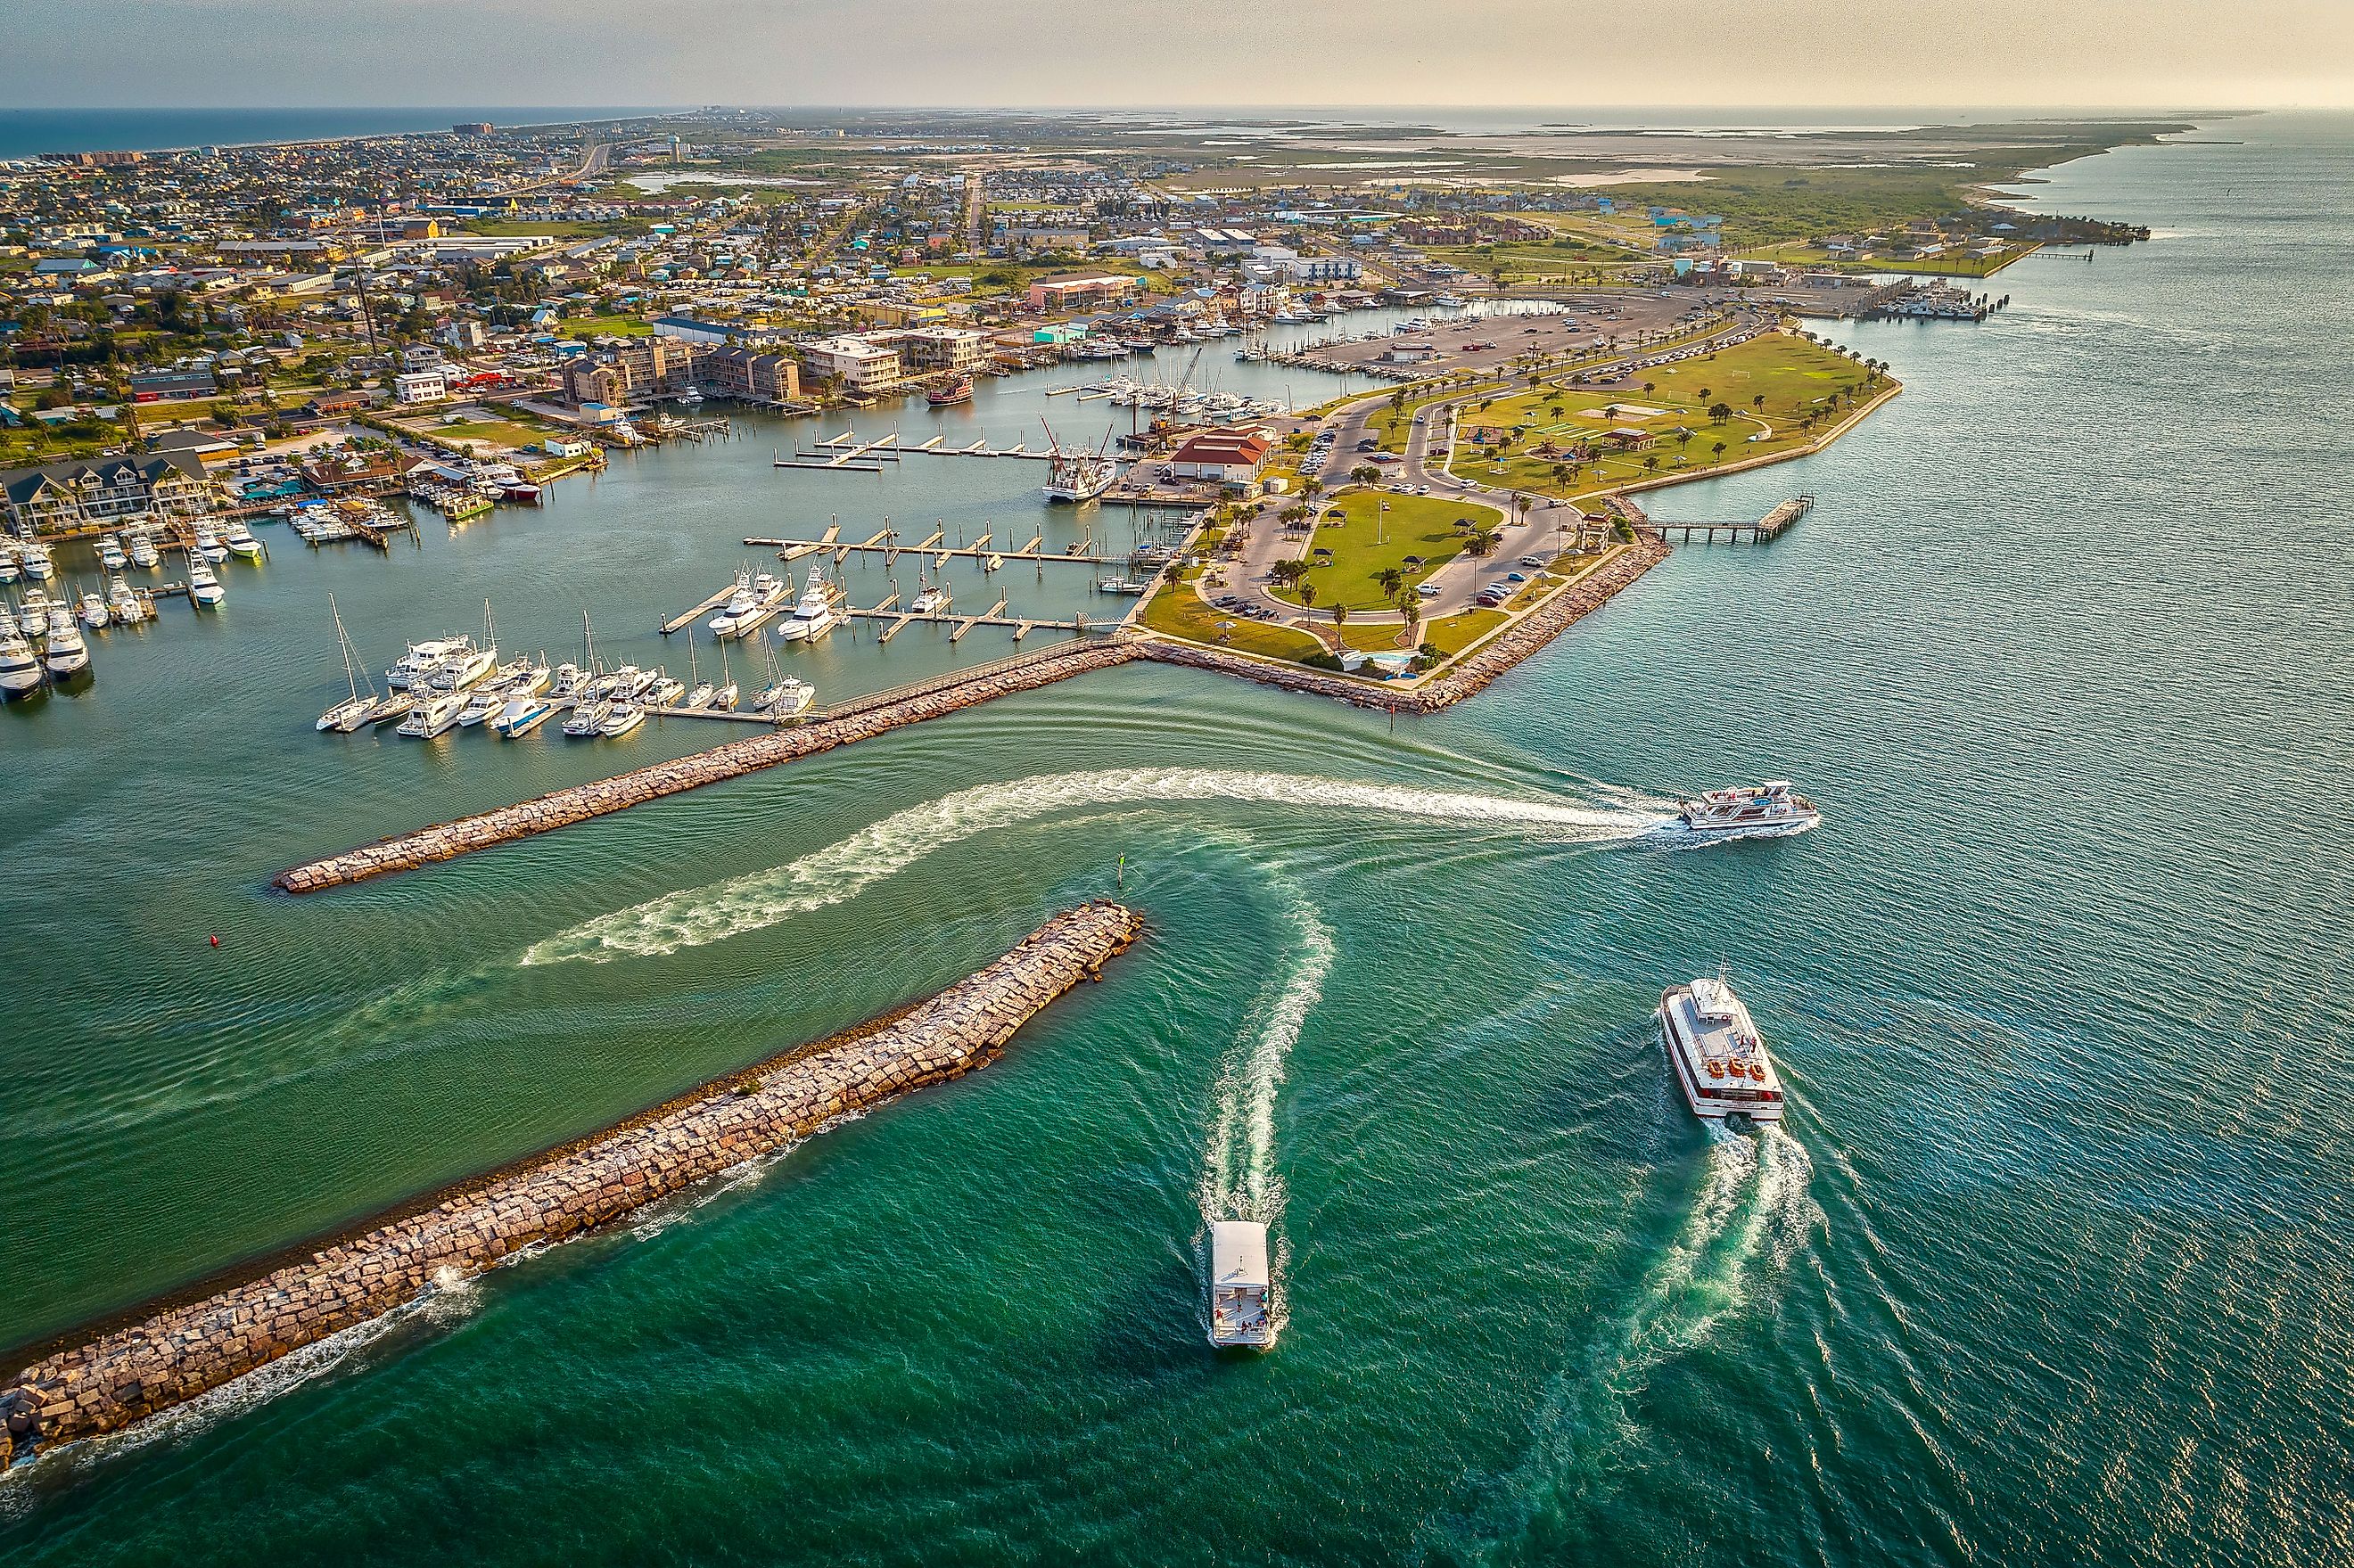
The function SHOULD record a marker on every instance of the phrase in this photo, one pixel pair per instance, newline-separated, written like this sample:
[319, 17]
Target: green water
[2043, 1270]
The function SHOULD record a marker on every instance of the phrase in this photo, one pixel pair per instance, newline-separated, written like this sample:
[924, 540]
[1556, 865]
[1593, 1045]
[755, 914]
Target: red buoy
[216, 941]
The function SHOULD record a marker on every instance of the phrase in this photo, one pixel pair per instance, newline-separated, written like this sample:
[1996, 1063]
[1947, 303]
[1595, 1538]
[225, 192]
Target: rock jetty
[107, 1383]
[559, 808]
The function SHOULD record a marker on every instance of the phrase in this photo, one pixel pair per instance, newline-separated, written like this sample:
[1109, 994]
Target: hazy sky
[2088, 53]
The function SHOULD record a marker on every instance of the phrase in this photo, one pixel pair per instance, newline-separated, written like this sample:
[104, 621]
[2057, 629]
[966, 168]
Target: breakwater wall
[1467, 675]
[559, 808]
[119, 1377]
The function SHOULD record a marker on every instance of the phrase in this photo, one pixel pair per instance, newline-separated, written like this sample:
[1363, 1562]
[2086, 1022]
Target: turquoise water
[2043, 1270]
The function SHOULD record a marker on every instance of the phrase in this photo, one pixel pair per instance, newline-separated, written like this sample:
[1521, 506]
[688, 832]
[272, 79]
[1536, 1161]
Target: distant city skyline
[2087, 54]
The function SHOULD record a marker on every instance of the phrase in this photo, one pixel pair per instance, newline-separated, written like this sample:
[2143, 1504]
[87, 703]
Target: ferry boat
[955, 392]
[432, 714]
[1771, 805]
[20, 671]
[65, 654]
[1719, 1059]
[204, 589]
[814, 616]
[1240, 1285]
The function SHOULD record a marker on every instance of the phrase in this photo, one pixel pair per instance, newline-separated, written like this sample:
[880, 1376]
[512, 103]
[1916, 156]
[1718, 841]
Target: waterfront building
[857, 363]
[751, 376]
[1082, 290]
[108, 493]
[1230, 457]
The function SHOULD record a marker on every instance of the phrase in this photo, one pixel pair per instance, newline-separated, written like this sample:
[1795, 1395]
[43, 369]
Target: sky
[2115, 54]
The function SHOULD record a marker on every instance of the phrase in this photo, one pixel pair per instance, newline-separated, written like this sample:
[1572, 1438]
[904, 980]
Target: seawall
[559, 808]
[170, 1356]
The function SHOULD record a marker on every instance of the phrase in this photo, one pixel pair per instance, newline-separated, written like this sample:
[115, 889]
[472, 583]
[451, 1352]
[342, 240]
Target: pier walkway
[171, 1353]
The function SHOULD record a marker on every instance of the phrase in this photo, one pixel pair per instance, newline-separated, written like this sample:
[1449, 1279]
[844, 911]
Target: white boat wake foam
[694, 916]
[1752, 1213]
[1239, 1179]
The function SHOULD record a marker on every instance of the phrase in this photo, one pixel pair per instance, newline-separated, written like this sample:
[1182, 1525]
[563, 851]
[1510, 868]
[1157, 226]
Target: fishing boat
[110, 552]
[20, 671]
[354, 710]
[665, 690]
[523, 714]
[739, 604]
[93, 611]
[122, 604]
[1239, 1286]
[432, 714]
[1720, 1060]
[1771, 806]
[204, 589]
[144, 554]
[814, 616]
[35, 556]
[65, 654]
[587, 719]
[957, 391]
[207, 544]
[241, 542]
[621, 719]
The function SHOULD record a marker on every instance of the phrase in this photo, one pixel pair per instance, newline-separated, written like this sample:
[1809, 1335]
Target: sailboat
[699, 690]
[354, 710]
[727, 694]
[785, 695]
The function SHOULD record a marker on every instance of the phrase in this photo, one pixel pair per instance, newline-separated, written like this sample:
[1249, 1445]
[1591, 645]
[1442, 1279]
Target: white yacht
[786, 698]
[207, 544]
[1239, 1286]
[1720, 1061]
[621, 719]
[931, 601]
[93, 611]
[587, 718]
[67, 652]
[110, 552]
[433, 713]
[482, 702]
[461, 670]
[1770, 806]
[415, 666]
[8, 567]
[20, 671]
[142, 550]
[241, 542]
[629, 682]
[739, 604]
[122, 604]
[665, 691]
[523, 714]
[35, 557]
[566, 681]
[814, 616]
[204, 587]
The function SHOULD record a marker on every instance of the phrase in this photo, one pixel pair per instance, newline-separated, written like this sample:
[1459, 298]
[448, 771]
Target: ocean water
[2045, 1267]
[29, 132]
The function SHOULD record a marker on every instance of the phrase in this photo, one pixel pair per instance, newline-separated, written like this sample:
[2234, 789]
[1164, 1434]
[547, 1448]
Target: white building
[420, 387]
[858, 364]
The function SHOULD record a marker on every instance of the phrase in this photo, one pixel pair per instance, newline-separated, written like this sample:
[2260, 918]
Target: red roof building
[1232, 457]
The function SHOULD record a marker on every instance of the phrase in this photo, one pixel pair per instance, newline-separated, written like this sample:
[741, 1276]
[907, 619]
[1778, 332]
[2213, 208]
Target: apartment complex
[107, 493]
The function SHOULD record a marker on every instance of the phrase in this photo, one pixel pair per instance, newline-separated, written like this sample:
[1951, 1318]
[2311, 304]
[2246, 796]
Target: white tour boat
[1769, 806]
[1719, 1059]
[1240, 1285]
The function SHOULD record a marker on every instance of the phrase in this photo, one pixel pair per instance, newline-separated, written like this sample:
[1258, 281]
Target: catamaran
[1239, 1284]
[1769, 806]
[1719, 1058]
[354, 710]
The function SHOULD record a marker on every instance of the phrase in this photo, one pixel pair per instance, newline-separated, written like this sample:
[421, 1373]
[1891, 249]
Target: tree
[1758, 401]
[1410, 606]
[1365, 474]
[1719, 412]
[1311, 487]
[1703, 393]
[1390, 580]
[1483, 541]
[1307, 597]
[1339, 621]
[1718, 450]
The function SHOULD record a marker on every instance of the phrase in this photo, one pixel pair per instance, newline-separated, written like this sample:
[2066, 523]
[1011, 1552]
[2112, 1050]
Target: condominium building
[108, 493]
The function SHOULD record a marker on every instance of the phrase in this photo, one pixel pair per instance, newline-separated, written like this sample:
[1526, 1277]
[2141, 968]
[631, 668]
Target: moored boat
[432, 714]
[204, 587]
[813, 616]
[621, 719]
[1720, 1060]
[20, 669]
[66, 652]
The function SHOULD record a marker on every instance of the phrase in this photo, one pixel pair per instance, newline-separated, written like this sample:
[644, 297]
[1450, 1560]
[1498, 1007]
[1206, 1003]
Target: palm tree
[1308, 597]
[1312, 487]
[1758, 401]
[1410, 606]
[1389, 580]
[1718, 449]
[1340, 622]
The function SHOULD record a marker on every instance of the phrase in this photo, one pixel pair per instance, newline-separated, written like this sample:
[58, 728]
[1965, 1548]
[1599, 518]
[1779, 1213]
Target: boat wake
[1674, 835]
[694, 916]
[1239, 1179]
[1751, 1214]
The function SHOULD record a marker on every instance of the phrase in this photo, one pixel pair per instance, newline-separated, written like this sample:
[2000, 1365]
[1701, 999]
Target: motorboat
[207, 544]
[241, 542]
[432, 714]
[93, 611]
[1240, 1285]
[416, 667]
[142, 549]
[787, 698]
[65, 654]
[739, 604]
[665, 691]
[9, 570]
[35, 556]
[621, 719]
[33, 615]
[122, 604]
[813, 616]
[482, 702]
[1720, 1060]
[532, 679]
[20, 671]
[629, 682]
[461, 671]
[566, 681]
[1771, 807]
[587, 719]
[931, 601]
[523, 714]
[204, 587]
[110, 552]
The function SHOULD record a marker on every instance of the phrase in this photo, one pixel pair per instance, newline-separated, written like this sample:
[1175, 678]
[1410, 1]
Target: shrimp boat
[1720, 1060]
[1770, 806]
[1078, 476]
[354, 710]
[1239, 1284]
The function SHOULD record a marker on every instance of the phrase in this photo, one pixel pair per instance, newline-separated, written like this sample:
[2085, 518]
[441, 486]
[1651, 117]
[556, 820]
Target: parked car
[1516, 577]
[1427, 590]
[1533, 560]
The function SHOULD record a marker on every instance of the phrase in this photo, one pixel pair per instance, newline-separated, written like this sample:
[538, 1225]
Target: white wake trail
[695, 915]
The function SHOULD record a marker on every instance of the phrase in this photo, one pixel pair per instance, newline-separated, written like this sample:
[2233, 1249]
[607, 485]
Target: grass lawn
[1362, 543]
[1178, 610]
[499, 432]
[1796, 378]
[604, 326]
[1393, 425]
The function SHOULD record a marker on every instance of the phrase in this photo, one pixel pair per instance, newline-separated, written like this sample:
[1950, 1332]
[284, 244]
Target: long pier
[175, 1351]
[856, 720]
[1765, 531]
[1032, 550]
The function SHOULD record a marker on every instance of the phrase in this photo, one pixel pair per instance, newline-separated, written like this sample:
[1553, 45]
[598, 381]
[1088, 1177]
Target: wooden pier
[685, 618]
[1765, 531]
[1032, 551]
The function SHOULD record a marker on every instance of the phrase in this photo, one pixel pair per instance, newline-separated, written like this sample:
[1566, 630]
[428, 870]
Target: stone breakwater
[119, 1377]
[559, 808]
[1465, 677]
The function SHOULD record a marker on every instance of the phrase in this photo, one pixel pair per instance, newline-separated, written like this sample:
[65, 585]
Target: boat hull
[1707, 1106]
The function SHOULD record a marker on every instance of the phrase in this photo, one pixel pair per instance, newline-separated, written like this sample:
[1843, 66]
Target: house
[1230, 457]
[107, 493]
[420, 387]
